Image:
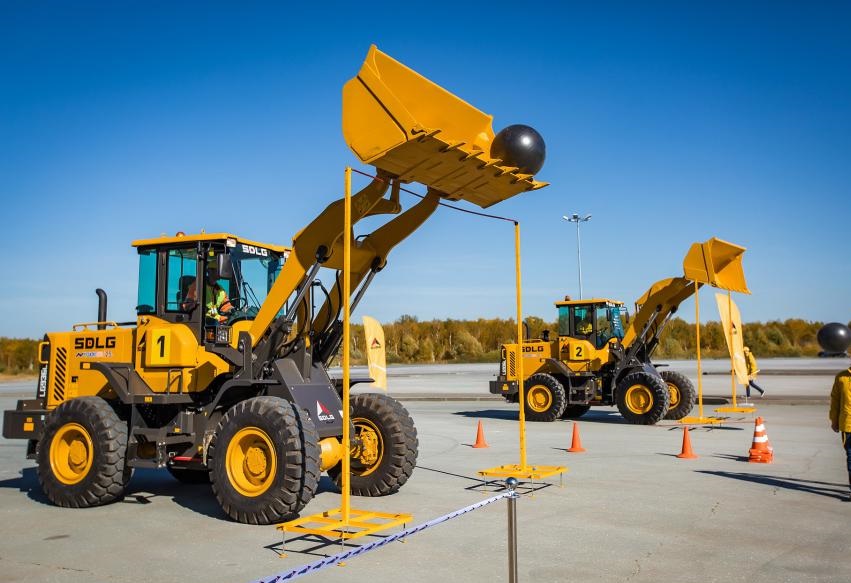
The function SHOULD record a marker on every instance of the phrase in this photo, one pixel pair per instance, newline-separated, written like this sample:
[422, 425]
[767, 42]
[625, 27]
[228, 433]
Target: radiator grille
[59, 375]
[512, 364]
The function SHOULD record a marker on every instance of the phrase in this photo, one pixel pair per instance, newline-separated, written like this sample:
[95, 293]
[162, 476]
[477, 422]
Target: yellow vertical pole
[697, 340]
[732, 359]
[520, 378]
[347, 251]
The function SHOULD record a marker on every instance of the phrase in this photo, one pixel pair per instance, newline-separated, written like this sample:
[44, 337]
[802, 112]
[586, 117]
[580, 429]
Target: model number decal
[252, 250]
[42, 381]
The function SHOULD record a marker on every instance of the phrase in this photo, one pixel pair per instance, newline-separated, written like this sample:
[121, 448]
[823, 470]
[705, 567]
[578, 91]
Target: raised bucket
[717, 263]
[397, 120]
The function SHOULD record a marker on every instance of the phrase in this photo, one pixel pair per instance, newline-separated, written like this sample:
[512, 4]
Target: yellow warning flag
[731, 320]
[375, 355]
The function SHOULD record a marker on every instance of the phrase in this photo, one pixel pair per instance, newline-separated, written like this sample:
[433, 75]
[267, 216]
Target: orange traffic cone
[761, 451]
[687, 453]
[480, 437]
[576, 445]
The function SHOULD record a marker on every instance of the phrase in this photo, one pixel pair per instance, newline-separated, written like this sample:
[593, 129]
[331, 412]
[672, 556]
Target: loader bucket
[400, 122]
[717, 263]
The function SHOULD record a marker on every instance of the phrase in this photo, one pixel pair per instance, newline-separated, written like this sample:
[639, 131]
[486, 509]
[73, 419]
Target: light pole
[575, 218]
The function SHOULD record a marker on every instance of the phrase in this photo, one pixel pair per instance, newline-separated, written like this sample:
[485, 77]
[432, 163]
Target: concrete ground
[629, 510]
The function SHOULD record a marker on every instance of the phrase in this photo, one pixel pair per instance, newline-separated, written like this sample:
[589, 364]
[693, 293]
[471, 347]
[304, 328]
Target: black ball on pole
[521, 146]
[834, 337]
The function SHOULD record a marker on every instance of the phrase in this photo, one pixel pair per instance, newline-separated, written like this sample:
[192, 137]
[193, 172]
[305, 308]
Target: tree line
[408, 340]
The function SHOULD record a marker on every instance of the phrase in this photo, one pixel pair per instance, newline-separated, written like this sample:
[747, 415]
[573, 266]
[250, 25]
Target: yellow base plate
[518, 471]
[702, 420]
[331, 525]
[735, 409]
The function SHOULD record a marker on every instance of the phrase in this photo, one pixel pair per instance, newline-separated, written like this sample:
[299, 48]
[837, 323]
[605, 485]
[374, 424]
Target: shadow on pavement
[27, 483]
[591, 416]
[147, 484]
[829, 489]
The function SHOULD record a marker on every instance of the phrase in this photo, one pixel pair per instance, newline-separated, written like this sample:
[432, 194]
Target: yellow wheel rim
[251, 461]
[674, 392]
[368, 455]
[639, 399]
[540, 398]
[71, 453]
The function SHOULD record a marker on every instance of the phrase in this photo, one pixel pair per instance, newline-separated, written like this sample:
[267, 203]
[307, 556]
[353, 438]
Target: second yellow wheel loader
[222, 376]
[600, 357]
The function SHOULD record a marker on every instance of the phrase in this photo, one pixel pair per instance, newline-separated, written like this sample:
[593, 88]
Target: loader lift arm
[411, 130]
[714, 262]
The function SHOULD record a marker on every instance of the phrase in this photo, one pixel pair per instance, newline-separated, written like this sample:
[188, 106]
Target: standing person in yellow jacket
[753, 369]
[840, 415]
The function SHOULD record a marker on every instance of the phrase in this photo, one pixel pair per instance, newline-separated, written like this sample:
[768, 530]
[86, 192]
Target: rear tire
[682, 394]
[545, 398]
[389, 454]
[575, 411]
[264, 461]
[81, 457]
[642, 398]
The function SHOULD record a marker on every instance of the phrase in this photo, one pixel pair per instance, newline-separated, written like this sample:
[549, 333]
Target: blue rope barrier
[357, 551]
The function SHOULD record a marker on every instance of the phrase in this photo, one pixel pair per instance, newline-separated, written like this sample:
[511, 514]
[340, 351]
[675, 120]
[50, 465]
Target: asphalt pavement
[629, 511]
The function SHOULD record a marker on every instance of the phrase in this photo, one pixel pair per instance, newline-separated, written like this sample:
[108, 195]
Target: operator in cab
[217, 304]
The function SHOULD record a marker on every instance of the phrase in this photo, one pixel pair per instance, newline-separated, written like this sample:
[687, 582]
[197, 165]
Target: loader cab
[208, 282]
[596, 321]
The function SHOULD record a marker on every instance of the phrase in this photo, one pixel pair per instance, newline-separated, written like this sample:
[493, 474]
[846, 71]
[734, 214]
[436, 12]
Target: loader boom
[411, 130]
[714, 262]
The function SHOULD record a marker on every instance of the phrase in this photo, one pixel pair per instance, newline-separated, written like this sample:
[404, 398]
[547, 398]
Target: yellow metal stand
[700, 419]
[521, 470]
[735, 408]
[345, 523]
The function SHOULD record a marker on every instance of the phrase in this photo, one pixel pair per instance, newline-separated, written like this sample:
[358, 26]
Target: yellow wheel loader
[601, 357]
[222, 377]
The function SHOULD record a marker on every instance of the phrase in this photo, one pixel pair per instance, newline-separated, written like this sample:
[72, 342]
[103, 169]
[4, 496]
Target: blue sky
[669, 122]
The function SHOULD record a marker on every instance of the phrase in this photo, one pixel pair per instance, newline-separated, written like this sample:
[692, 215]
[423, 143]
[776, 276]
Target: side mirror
[224, 266]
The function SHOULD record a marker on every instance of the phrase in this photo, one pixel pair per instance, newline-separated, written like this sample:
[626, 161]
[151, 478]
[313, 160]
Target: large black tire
[642, 398]
[81, 457]
[384, 467]
[187, 476]
[575, 411]
[264, 461]
[682, 394]
[545, 398]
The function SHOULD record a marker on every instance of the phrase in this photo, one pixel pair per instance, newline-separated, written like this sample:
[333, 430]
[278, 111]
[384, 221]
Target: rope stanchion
[357, 551]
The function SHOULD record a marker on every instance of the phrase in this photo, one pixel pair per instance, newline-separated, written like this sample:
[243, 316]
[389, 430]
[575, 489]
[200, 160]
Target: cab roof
[588, 301]
[181, 237]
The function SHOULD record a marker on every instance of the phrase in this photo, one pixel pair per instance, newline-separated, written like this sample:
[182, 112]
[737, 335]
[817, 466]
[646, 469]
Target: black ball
[834, 337]
[521, 146]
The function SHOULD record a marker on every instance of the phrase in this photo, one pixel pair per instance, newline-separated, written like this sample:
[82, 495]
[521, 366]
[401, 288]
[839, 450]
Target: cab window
[605, 330]
[147, 297]
[563, 321]
[583, 321]
[181, 272]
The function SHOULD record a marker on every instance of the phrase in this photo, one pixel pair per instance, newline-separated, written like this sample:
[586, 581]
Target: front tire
[545, 398]
[264, 461]
[81, 457]
[386, 453]
[642, 398]
[682, 394]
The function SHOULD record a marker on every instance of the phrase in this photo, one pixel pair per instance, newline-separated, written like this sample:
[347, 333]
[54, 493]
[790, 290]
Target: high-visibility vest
[216, 298]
